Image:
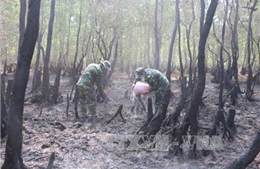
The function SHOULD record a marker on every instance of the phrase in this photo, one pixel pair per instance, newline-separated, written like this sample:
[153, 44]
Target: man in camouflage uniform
[161, 86]
[157, 81]
[92, 75]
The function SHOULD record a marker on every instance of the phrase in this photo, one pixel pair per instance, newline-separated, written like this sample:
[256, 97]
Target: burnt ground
[102, 147]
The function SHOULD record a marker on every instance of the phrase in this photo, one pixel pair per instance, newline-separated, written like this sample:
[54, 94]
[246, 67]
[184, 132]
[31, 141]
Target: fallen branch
[115, 103]
[68, 105]
[51, 161]
[119, 111]
[76, 99]
[244, 160]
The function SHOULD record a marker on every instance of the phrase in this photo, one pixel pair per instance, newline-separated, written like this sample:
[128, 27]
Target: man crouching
[92, 75]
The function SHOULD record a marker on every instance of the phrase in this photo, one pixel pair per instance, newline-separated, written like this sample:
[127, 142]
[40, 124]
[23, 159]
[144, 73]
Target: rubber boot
[82, 113]
[91, 121]
[93, 114]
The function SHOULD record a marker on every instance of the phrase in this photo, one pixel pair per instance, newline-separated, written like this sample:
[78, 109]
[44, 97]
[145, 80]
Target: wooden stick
[51, 161]
[119, 111]
[68, 105]
[115, 103]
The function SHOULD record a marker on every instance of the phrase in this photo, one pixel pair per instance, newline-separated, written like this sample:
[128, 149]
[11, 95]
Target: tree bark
[231, 120]
[36, 81]
[56, 86]
[249, 90]
[159, 116]
[149, 115]
[179, 44]
[177, 17]
[234, 46]
[13, 152]
[188, 30]
[8, 93]
[21, 22]
[200, 86]
[46, 77]
[4, 115]
[113, 64]
[75, 69]
[202, 15]
[156, 36]
[221, 62]
[244, 160]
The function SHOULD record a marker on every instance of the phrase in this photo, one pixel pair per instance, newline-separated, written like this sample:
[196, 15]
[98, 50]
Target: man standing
[92, 75]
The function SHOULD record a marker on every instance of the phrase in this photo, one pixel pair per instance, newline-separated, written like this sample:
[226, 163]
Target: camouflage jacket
[91, 75]
[155, 79]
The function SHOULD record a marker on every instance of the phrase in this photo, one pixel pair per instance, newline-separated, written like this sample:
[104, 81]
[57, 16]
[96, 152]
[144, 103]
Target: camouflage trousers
[87, 99]
[160, 96]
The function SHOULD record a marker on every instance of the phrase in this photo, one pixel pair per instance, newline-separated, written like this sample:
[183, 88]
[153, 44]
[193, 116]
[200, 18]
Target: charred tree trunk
[8, 93]
[221, 62]
[13, 152]
[179, 46]
[105, 51]
[46, 77]
[188, 30]
[173, 117]
[149, 116]
[191, 115]
[177, 111]
[176, 136]
[244, 160]
[234, 46]
[220, 118]
[202, 15]
[21, 22]
[231, 120]
[227, 133]
[74, 69]
[76, 100]
[68, 105]
[114, 60]
[169, 67]
[56, 86]
[256, 79]
[154, 125]
[36, 81]
[249, 90]
[4, 115]
[198, 92]
[156, 36]
[3, 84]
[108, 52]
[234, 95]
[5, 67]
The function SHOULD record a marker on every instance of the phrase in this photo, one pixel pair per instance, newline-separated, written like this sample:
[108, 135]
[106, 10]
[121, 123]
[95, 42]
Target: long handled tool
[119, 111]
[115, 103]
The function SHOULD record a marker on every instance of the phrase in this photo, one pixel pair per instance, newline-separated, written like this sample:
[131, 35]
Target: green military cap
[139, 71]
[106, 64]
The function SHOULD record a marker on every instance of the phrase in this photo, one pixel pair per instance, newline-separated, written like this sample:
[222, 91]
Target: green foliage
[9, 34]
[133, 21]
